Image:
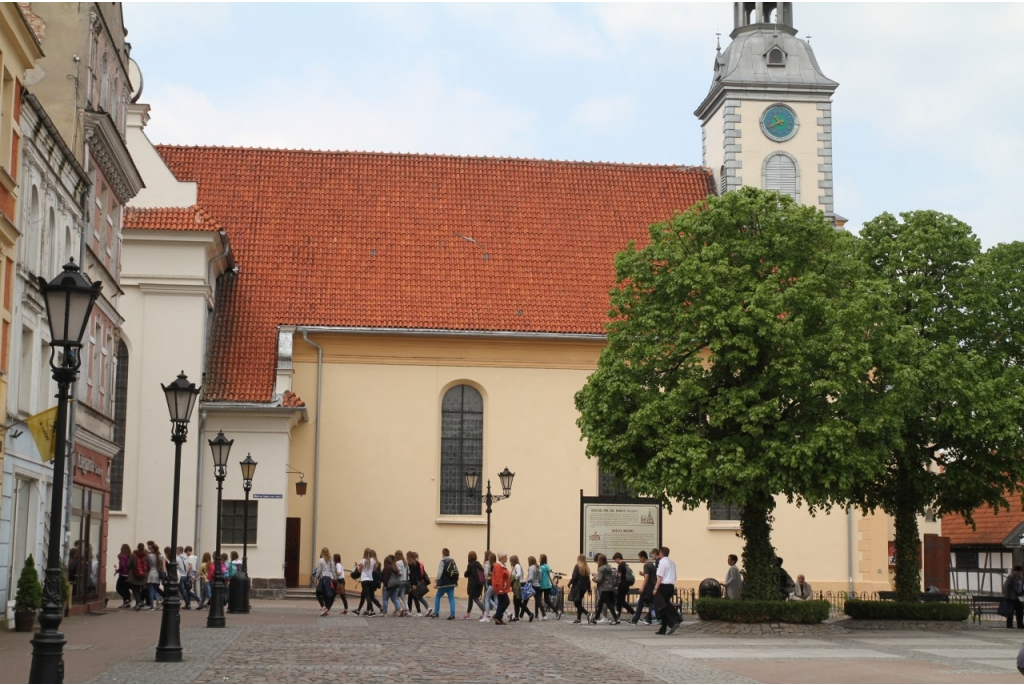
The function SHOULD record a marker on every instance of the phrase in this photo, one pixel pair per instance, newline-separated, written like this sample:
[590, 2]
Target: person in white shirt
[802, 591]
[664, 592]
[733, 582]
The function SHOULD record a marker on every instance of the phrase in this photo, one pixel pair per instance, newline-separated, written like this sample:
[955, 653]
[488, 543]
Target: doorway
[292, 536]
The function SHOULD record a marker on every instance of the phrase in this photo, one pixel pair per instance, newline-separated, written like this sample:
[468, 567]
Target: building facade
[387, 322]
[21, 489]
[82, 84]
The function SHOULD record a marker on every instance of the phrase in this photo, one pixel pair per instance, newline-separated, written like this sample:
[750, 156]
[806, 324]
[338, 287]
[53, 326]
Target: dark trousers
[606, 600]
[1018, 611]
[325, 594]
[668, 614]
[503, 602]
[645, 601]
[520, 606]
[367, 596]
[620, 601]
[122, 589]
[540, 599]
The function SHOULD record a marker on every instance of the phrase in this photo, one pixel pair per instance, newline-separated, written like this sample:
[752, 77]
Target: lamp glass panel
[79, 306]
[221, 448]
[56, 309]
[472, 479]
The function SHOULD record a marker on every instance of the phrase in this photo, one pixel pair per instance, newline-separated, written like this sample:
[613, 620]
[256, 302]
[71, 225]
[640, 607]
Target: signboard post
[616, 524]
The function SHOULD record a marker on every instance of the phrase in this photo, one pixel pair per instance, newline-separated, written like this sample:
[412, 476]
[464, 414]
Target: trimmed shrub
[30, 593]
[761, 611]
[907, 611]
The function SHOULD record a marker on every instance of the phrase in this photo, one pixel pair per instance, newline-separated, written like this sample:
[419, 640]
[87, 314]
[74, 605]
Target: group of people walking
[501, 587]
[141, 572]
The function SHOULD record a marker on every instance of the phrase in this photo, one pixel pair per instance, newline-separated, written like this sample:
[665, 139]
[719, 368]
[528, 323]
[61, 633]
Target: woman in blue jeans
[390, 581]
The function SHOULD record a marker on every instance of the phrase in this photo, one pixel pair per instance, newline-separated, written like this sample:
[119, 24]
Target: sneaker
[558, 615]
[484, 618]
[344, 612]
[656, 622]
[370, 614]
[323, 611]
[451, 618]
[600, 620]
[531, 618]
[614, 623]
[660, 632]
[646, 622]
[544, 617]
[514, 620]
[149, 608]
[418, 615]
[673, 629]
[576, 622]
[633, 623]
[465, 617]
[327, 613]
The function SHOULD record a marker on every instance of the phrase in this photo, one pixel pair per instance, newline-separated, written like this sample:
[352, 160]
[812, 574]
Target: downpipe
[316, 444]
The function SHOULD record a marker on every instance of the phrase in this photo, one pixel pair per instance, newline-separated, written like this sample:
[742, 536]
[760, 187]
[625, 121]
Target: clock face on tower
[779, 122]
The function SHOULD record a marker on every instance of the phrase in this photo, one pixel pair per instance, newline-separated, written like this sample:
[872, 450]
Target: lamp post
[473, 481]
[221, 448]
[69, 299]
[181, 398]
[248, 469]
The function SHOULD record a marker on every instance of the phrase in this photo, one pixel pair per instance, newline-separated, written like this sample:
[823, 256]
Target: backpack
[450, 572]
[630, 578]
[141, 568]
[480, 577]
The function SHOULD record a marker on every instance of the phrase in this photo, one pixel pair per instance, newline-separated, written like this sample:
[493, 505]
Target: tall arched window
[462, 448]
[780, 172]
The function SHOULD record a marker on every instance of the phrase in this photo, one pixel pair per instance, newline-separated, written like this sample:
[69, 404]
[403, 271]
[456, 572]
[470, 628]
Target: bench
[890, 596]
[982, 605]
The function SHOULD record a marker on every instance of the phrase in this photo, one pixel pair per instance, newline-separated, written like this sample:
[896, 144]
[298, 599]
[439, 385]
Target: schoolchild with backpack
[446, 580]
[476, 577]
[626, 581]
[419, 582]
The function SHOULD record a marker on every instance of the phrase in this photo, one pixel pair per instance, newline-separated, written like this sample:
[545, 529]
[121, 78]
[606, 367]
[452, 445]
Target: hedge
[907, 611]
[759, 611]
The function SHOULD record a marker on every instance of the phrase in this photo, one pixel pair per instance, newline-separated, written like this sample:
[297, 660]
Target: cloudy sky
[929, 113]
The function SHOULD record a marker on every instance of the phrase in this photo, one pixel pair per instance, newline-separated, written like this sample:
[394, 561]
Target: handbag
[1005, 608]
[419, 590]
[575, 593]
[355, 574]
[527, 591]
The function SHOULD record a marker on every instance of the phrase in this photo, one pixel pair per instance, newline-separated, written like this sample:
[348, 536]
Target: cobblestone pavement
[287, 643]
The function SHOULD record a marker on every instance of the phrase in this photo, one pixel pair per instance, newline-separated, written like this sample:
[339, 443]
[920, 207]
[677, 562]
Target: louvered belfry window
[462, 448]
[780, 174]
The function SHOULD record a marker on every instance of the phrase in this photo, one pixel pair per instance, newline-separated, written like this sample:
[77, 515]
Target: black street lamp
[242, 577]
[69, 300]
[473, 481]
[181, 398]
[221, 448]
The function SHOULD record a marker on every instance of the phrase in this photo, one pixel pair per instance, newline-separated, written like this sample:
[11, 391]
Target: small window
[232, 521]
[776, 57]
[966, 560]
[720, 511]
[608, 485]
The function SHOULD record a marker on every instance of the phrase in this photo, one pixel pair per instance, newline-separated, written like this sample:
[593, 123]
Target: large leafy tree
[736, 366]
[947, 377]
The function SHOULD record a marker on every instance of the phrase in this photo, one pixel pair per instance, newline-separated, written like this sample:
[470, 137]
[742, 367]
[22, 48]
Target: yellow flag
[41, 425]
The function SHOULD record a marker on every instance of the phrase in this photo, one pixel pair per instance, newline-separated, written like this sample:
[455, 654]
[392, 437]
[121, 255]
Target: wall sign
[626, 527]
[265, 496]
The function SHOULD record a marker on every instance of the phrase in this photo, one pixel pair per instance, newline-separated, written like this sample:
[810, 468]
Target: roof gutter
[449, 333]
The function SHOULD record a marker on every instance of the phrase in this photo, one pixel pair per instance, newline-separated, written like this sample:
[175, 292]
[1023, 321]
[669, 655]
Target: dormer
[775, 56]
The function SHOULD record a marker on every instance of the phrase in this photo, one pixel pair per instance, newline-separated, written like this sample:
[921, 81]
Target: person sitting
[802, 590]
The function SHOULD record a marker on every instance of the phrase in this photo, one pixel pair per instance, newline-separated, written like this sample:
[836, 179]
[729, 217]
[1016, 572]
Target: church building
[376, 325]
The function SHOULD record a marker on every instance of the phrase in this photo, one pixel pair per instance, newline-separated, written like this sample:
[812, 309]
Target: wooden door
[293, 529]
[936, 562]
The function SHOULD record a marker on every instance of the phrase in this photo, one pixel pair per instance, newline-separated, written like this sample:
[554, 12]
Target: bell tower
[767, 119]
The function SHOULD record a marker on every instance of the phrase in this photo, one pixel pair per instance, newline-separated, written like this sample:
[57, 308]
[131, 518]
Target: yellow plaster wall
[380, 460]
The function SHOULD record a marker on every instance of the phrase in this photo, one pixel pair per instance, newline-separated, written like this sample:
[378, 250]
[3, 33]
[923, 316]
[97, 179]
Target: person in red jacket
[501, 585]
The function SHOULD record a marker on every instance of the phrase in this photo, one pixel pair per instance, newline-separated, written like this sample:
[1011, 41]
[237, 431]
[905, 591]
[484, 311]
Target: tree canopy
[737, 366]
[947, 380]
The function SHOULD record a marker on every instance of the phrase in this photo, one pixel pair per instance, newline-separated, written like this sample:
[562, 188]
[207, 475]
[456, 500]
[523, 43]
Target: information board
[625, 528]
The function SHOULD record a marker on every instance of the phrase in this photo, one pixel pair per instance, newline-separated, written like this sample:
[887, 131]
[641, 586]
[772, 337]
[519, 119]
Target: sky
[929, 113]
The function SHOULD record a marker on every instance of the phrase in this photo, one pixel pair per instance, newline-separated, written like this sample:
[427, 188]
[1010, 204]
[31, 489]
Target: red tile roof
[193, 218]
[415, 241]
[992, 527]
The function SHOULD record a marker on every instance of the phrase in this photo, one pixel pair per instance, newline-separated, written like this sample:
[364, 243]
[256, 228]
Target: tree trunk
[761, 573]
[908, 541]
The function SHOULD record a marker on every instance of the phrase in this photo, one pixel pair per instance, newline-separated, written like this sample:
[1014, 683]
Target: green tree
[736, 366]
[947, 377]
[29, 596]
